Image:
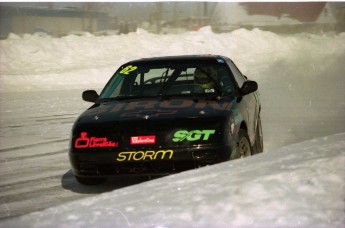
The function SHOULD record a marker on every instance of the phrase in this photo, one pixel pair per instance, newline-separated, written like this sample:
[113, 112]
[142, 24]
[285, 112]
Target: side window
[226, 80]
[237, 74]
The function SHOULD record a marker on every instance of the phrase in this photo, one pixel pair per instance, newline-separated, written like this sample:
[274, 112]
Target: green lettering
[207, 134]
[194, 135]
[179, 136]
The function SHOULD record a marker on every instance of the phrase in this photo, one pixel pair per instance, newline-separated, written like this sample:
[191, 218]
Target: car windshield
[135, 81]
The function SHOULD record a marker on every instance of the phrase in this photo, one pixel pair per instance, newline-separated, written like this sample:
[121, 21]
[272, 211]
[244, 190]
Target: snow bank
[44, 63]
[301, 76]
[297, 186]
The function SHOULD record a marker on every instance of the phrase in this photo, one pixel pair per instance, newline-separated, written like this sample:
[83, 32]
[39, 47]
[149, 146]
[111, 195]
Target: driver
[202, 76]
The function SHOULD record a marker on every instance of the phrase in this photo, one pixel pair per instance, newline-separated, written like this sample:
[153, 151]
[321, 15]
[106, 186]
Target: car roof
[179, 58]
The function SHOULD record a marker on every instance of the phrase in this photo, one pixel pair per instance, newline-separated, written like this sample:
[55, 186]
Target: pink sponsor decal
[93, 142]
[147, 139]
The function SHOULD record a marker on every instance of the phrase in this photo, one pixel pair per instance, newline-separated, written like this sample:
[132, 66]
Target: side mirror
[90, 95]
[248, 87]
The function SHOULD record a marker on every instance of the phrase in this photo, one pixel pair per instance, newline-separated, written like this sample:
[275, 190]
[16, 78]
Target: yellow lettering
[149, 154]
[144, 155]
[121, 156]
[136, 158]
[128, 69]
[163, 152]
[130, 155]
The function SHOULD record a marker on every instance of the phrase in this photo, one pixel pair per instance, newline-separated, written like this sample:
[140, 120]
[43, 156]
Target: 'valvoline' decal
[147, 139]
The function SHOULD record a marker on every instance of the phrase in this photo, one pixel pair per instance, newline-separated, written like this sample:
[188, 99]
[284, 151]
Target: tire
[90, 180]
[244, 149]
[259, 143]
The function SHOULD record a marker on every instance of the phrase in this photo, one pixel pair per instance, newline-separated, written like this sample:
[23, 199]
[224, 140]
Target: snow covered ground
[301, 80]
[301, 185]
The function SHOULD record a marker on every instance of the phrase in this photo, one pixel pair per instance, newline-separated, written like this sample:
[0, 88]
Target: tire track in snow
[34, 166]
[32, 145]
[35, 156]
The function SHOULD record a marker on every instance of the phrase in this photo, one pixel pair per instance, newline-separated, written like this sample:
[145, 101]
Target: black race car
[158, 116]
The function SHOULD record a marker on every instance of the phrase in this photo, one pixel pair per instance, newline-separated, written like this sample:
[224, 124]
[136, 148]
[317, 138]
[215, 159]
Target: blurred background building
[106, 18]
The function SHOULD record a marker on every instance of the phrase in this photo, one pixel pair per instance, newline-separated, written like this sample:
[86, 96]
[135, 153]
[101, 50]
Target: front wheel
[244, 148]
[90, 180]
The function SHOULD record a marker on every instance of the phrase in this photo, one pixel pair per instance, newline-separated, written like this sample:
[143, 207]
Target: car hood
[154, 109]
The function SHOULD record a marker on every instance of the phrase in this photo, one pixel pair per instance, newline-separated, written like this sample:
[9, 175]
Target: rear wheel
[244, 148]
[90, 180]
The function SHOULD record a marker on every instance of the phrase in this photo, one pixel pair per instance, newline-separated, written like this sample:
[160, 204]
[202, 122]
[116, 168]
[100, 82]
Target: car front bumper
[102, 164]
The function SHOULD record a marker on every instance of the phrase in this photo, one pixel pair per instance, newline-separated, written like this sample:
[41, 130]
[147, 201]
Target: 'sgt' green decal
[194, 135]
[128, 69]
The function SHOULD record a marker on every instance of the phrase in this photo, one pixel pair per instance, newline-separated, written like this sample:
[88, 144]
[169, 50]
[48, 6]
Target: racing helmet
[202, 76]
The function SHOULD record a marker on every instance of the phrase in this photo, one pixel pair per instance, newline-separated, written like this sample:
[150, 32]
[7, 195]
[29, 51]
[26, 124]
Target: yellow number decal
[128, 69]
